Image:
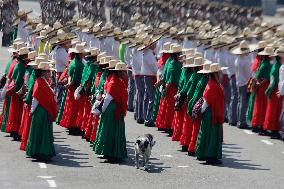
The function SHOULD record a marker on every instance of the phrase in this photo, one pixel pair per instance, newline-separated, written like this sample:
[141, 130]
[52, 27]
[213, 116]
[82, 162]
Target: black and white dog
[143, 146]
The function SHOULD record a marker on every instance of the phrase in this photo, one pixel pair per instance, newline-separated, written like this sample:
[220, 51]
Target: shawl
[214, 96]
[11, 68]
[118, 90]
[162, 61]
[45, 96]
[275, 75]
[255, 63]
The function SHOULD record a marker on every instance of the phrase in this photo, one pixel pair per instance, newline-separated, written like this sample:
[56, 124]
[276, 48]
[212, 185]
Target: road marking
[46, 177]
[51, 183]
[42, 165]
[248, 132]
[169, 156]
[183, 166]
[267, 142]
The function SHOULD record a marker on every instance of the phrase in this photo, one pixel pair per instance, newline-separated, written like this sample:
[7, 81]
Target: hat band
[244, 49]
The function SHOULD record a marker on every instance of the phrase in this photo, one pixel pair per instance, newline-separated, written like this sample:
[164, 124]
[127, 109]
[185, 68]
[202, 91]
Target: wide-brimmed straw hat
[148, 41]
[24, 51]
[175, 49]
[205, 68]
[42, 34]
[16, 45]
[214, 67]
[120, 67]
[259, 45]
[166, 47]
[37, 61]
[105, 60]
[93, 52]
[32, 55]
[112, 64]
[101, 55]
[46, 66]
[188, 61]
[268, 51]
[199, 61]
[243, 48]
[79, 48]
[280, 51]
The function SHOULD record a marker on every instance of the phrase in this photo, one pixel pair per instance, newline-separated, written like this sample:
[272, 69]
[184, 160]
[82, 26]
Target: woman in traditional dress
[196, 121]
[72, 106]
[254, 67]
[99, 90]
[161, 64]
[44, 111]
[187, 125]
[211, 105]
[170, 82]
[16, 91]
[274, 104]
[262, 82]
[6, 105]
[88, 76]
[111, 141]
[182, 90]
[26, 116]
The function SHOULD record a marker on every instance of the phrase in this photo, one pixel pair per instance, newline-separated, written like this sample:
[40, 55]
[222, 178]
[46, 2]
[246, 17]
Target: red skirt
[260, 105]
[15, 114]
[89, 126]
[178, 123]
[86, 114]
[25, 126]
[94, 130]
[71, 110]
[80, 114]
[186, 130]
[273, 111]
[166, 110]
[195, 130]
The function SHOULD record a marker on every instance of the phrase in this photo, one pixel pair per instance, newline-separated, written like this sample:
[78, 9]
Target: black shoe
[243, 126]
[226, 120]
[149, 124]
[281, 133]
[191, 153]
[262, 132]
[130, 109]
[213, 162]
[255, 129]
[87, 139]
[184, 148]
[233, 124]
[140, 121]
[275, 135]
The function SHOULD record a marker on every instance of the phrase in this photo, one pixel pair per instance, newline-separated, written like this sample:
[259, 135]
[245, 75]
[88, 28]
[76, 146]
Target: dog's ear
[146, 143]
[138, 142]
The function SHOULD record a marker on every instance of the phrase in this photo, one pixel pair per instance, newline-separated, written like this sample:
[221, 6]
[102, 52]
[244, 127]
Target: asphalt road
[249, 161]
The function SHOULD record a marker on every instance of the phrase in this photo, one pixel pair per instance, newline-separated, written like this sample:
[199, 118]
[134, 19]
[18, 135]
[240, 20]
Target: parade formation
[185, 69]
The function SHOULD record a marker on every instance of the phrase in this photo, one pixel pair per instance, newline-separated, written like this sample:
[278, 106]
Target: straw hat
[105, 60]
[120, 67]
[188, 52]
[93, 52]
[43, 55]
[39, 27]
[18, 40]
[79, 48]
[42, 34]
[149, 41]
[279, 32]
[205, 69]
[197, 62]
[268, 51]
[57, 25]
[46, 66]
[37, 61]
[47, 28]
[188, 62]
[215, 67]
[75, 41]
[166, 47]
[280, 51]
[175, 49]
[32, 55]
[23, 51]
[242, 48]
[112, 64]
[16, 46]
[101, 55]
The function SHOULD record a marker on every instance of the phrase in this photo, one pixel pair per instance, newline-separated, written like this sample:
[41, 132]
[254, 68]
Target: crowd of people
[86, 75]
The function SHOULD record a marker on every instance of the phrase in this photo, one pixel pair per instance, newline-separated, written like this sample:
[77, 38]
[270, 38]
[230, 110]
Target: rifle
[17, 17]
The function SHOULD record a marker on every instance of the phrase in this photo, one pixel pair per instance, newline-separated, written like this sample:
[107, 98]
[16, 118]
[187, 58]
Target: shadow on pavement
[68, 157]
[230, 162]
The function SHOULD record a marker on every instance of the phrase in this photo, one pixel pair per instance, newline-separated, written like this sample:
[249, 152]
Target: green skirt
[6, 114]
[61, 108]
[250, 106]
[209, 141]
[111, 139]
[40, 140]
[156, 104]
